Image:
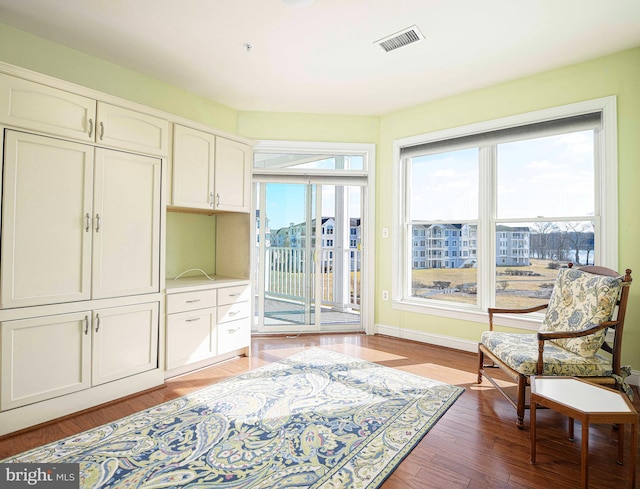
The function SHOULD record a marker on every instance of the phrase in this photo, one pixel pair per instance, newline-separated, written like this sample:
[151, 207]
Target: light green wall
[34, 53]
[618, 74]
[191, 243]
[309, 127]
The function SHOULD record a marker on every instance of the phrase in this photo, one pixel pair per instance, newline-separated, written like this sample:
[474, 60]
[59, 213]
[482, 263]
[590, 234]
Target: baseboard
[456, 343]
[430, 338]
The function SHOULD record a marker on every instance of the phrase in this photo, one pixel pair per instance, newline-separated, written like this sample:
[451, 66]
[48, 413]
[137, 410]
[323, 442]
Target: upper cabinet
[39, 107]
[210, 172]
[127, 129]
[52, 111]
[233, 176]
[193, 168]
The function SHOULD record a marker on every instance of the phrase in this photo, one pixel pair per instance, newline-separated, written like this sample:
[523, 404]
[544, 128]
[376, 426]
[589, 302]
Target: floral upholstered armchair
[585, 303]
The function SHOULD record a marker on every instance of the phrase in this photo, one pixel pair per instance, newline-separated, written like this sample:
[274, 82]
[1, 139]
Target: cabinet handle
[192, 301]
[97, 322]
[191, 320]
[234, 295]
[88, 224]
[98, 223]
[233, 313]
[101, 131]
[211, 202]
[218, 200]
[86, 325]
[90, 127]
[233, 330]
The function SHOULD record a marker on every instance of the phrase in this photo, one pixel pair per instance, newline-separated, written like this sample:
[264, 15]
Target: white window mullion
[487, 233]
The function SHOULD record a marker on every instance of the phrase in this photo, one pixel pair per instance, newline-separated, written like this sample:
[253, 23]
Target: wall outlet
[385, 295]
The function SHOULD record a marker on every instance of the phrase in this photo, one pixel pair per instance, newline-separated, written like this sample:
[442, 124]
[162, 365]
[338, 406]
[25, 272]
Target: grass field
[531, 286]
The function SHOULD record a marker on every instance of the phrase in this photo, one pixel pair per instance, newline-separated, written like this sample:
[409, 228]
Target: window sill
[528, 322]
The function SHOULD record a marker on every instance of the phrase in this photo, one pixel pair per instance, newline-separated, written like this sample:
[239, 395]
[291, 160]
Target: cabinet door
[131, 130]
[46, 235]
[193, 168]
[191, 336]
[125, 341]
[44, 358]
[233, 176]
[126, 232]
[41, 108]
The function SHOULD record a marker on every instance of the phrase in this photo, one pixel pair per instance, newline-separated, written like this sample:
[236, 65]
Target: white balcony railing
[287, 276]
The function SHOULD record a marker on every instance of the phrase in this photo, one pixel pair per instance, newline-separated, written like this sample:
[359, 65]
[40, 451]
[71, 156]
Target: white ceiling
[321, 58]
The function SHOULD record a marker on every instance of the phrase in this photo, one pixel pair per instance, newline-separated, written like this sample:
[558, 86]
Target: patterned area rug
[317, 419]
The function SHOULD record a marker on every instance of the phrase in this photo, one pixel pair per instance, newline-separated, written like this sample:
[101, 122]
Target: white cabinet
[233, 176]
[193, 168]
[126, 227]
[125, 341]
[53, 111]
[210, 172]
[69, 208]
[206, 321]
[46, 357]
[191, 327]
[191, 337]
[234, 326]
[134, 131]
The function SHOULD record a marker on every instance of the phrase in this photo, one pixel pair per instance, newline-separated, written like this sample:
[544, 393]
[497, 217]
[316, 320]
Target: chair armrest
[554, 335]
[496, 310]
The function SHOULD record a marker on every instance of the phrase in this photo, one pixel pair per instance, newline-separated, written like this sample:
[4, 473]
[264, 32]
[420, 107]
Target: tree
[541, 239]
[580, 237]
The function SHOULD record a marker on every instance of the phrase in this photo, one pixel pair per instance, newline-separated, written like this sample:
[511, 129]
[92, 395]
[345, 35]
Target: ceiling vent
[399, 39]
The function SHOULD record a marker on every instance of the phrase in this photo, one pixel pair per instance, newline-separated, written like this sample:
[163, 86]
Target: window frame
[606, 195]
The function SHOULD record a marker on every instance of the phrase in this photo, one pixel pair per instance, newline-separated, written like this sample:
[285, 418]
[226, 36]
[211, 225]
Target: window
[528, 193]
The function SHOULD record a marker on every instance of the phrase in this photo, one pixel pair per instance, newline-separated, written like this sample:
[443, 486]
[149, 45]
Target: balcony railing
[287, 276]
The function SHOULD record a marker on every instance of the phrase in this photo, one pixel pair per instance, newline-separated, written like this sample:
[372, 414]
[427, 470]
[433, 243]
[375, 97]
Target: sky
[551, 177]
[286, 202]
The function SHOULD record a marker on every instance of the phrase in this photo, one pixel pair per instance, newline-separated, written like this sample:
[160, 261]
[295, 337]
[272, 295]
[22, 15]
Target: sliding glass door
[308, 257]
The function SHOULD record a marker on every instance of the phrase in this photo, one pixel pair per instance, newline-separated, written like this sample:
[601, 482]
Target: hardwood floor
[476, 444]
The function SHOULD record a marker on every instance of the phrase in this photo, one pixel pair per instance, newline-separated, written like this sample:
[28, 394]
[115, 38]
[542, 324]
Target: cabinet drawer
[229, 295]
[231, 312]
[191, 337]
[233, 335]
[190, 301]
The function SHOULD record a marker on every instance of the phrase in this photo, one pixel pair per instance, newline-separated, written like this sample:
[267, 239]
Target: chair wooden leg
[480, 365]
[522, 389]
